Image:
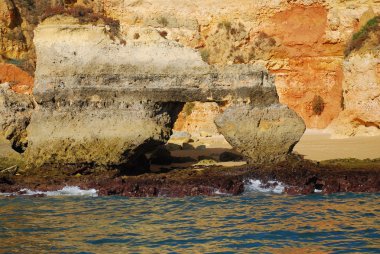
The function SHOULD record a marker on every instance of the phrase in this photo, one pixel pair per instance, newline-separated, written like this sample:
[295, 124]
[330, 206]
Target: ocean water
[256, 222]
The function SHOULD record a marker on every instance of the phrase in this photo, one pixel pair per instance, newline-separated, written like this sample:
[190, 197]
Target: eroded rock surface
[106, 102]
[361, 91]
[261, 134]
[15, 113]
[301, 42]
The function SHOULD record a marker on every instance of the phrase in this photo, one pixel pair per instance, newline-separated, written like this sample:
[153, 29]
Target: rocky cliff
[301, 42]
[361, 86]
[107, 97]
[106, 101]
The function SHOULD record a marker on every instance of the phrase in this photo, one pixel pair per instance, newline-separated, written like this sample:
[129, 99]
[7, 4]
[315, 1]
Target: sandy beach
[318, 146]
[314, 145]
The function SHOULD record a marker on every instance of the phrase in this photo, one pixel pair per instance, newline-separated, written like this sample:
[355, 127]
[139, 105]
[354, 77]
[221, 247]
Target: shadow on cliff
[165, 159]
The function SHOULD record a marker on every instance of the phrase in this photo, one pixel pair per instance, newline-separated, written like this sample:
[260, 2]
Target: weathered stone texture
[15, 113]
[105, 102]
[261, 134]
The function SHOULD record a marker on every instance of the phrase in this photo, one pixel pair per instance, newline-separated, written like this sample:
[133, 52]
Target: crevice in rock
[366, 123]
[16, 19]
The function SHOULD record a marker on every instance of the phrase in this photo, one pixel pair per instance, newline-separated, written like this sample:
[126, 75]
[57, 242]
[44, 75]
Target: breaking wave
[268, 187]
[66, 191]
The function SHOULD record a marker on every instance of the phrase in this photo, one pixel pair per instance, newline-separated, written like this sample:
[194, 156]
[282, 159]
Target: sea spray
[65, 191]
[253, 185]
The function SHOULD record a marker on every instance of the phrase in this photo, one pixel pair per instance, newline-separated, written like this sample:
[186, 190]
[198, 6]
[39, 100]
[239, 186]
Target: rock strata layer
[303, 43]
[106, 102]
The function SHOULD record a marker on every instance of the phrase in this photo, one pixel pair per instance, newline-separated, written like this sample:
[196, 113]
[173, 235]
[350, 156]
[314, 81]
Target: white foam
[66, 191]
[218, 192]
[258, 186]
[317, 191]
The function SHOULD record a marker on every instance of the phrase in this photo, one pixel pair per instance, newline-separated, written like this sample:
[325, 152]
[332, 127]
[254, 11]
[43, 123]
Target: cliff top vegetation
[368, 37]
[84, 16]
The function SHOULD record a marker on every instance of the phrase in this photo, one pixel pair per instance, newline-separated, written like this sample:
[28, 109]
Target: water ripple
[254, 223]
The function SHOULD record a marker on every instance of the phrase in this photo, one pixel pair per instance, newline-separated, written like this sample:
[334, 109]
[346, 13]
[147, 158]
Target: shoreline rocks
[295, 176]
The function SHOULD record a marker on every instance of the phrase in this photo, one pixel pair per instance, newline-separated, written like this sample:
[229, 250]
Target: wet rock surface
[298, 177]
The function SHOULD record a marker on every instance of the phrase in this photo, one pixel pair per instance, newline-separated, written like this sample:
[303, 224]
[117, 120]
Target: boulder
[261, 134]
[180, 137]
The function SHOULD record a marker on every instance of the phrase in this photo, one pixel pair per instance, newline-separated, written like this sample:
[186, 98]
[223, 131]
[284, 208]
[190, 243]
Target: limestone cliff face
[361, 86]
[109, 102]
[198, 117]
[18, 19]
[301, 42]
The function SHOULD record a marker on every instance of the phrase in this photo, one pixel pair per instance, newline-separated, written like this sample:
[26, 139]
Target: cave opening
[195, 141]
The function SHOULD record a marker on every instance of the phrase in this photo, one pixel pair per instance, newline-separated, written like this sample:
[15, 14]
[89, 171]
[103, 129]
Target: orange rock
[311, 66]
[20, 81]
[307, 78]
[197, 117]
[300, 31]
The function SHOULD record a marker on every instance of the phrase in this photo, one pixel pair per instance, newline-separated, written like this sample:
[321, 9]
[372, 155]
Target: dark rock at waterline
[298, 177]
[173, 147]
[6, 179]
[161, 156]
[186, 159]
[187, 146]
[229, 156]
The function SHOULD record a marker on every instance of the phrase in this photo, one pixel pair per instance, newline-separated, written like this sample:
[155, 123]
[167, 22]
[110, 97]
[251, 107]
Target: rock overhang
[160, 71]
[105, 102]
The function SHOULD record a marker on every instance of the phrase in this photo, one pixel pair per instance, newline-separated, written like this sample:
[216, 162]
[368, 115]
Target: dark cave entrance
[195, 141]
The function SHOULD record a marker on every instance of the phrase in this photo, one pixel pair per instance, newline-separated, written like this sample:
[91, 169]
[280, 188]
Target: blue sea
[252, 223]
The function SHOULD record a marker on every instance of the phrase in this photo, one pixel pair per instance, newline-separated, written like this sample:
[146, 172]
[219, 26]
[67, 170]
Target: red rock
[20, 81]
